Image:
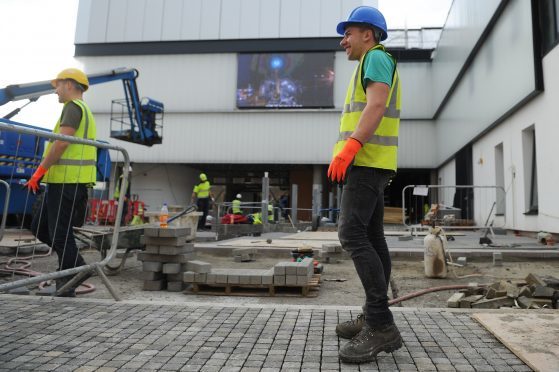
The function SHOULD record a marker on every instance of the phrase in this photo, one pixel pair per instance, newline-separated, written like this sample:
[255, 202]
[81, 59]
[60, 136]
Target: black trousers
[62, 207]
[361, 233]
[203, 206]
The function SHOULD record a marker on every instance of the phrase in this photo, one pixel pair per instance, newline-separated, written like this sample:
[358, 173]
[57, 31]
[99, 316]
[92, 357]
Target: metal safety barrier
[453, 206]
[24, 165]
[5, 213]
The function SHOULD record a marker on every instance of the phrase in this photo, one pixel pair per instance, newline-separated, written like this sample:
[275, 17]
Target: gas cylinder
[434, 254]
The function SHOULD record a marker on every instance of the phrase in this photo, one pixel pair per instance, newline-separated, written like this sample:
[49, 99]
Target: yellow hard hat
[203, 177]
[74, 74]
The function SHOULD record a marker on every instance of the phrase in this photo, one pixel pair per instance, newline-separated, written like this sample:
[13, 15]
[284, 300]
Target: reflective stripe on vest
[381, 151]
[78, 162]
[202, 190]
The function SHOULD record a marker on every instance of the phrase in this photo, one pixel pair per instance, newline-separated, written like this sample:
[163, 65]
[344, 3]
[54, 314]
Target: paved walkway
[87, 335]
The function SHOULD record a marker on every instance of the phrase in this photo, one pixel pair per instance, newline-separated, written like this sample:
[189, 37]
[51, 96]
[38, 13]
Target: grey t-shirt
[71, 116]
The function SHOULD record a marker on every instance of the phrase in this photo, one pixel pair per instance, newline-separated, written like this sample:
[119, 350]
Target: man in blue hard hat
[364, 161]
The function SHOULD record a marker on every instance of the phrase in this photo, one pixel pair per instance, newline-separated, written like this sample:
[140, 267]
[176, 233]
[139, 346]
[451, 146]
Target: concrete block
[151, 275]
[494, 303]
[333, 247]
[524, 302]
[175, 277]
[466, 302]
[268, 277]
[172, 250]
[154, 285]
[279, 268]
[291, 268]
[237, 259]
[255, 277]
[535, 279]
[543, 292]
[291, 280]
[189, 277]
[172, 268]
[405, 238]
[169, 232]
[179, 258]
[246, 257]
[244, 278]
[152, 249]
[525, 291]
[462, 261]
[175, 286]
[233, 278]
[210, 278]
[279, 279]
[241, 251]
[200, 278]
[177, 241]
[497, 259]
[302, 280]
[454, 300]
[151, 231]
[199, 266]
[221, 278]
[152, 266]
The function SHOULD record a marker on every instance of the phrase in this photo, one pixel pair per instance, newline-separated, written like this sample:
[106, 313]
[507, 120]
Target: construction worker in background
[116, 194]
[201, 195]
[236, 205]
[364, 161]
[68, 170]
[270, 213]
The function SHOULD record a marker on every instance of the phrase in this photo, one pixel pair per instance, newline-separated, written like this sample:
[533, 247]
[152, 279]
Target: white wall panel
[230, 19]
[135, 20]
[466, 21]
[492, 85]
[98, 15]
[191, 19]
[415, 144]
[309, 21]
[330, 15]
[290, 16]
[250, 12]
[116, 21]
[210, 19]
[447, 177]
[82, 22]
[172, 13]
[270, 19]
[153, 20]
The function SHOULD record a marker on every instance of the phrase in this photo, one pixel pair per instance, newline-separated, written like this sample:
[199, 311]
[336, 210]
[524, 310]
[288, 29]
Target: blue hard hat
[365, 15]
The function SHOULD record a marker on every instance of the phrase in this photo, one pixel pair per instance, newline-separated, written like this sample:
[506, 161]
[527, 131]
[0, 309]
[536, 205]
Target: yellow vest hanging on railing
[78, 162]
[381, 151]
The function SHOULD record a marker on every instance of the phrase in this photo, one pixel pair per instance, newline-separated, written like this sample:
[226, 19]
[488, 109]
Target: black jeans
[53, 222]
[361, 233]
[203, 206]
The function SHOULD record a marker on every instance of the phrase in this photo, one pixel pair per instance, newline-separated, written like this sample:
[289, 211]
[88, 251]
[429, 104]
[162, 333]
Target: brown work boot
[368, 343]
[351, 328]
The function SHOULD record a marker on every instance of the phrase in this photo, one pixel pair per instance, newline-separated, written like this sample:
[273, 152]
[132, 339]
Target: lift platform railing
[454, 206]
[78, 272]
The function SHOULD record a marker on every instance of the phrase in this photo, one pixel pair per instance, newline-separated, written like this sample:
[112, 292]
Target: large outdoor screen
[285, 80]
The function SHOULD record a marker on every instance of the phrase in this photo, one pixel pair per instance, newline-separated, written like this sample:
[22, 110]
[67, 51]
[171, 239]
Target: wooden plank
[532, 336]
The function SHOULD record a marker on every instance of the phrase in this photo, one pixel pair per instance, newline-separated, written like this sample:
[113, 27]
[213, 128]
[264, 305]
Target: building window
[500, 196]
[530, 170]
[549, 19]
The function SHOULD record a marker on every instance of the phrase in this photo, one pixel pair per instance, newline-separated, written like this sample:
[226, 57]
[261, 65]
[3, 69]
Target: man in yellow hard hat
[68, 169]
[201, 195]
[364, 161]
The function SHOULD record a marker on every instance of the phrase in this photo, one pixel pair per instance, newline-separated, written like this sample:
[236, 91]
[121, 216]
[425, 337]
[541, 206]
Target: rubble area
[534, 292]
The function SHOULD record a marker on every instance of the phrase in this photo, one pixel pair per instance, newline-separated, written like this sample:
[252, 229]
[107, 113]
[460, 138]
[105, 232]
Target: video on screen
[285, 80]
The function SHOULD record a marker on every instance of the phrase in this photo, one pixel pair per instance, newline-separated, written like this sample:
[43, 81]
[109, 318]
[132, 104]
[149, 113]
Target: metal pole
[265, 198]
[294, 190]
[331, 206]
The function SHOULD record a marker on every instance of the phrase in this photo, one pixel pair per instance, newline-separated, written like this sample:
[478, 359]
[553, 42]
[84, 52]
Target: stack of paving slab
[244, 254]
[166, 258]
[332, 253]
[294, 273]
[228, 277]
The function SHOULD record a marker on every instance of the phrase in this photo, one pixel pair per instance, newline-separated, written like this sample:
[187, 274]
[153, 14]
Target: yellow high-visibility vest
[78, 162]
[236, 206]
[381, 151]
[270, 212]
[202, 190]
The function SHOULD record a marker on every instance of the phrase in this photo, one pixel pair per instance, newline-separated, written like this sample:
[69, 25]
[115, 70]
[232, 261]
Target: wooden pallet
[257, 290]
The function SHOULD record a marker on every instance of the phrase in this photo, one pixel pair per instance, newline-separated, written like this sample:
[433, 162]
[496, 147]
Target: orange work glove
[33, 183]
[340, 162]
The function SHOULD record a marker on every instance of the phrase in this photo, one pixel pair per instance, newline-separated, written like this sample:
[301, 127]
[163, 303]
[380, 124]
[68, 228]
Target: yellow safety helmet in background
[203, 177]
[74, 74]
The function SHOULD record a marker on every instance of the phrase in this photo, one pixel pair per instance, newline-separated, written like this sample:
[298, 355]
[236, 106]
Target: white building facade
[477, 100]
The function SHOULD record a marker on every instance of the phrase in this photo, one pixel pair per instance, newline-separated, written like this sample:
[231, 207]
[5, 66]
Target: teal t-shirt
[378, 67]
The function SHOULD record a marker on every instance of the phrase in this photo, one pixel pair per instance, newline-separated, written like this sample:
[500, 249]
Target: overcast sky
[38, 41]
